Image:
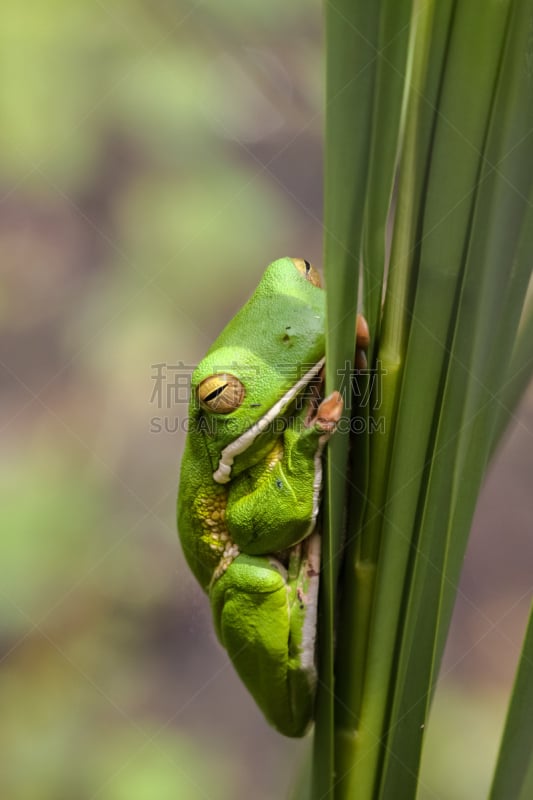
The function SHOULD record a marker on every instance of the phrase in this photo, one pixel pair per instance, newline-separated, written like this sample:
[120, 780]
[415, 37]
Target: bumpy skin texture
[241, 538]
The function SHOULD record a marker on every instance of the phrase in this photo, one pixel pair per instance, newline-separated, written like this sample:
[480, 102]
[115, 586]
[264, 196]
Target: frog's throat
[223, 473]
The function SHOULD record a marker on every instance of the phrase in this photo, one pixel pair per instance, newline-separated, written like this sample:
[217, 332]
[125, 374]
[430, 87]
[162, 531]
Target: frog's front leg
[274, 504]
[265, 616]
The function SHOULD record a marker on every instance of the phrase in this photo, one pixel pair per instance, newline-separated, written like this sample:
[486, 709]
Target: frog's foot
[266, 619]
[328, 413]
[362, 341]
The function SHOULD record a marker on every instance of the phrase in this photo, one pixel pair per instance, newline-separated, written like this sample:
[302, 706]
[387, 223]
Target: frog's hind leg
[265, 616]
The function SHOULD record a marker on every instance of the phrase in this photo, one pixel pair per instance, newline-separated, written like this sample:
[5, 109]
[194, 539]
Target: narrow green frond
[520, 370]
[514, 769]
[351, 45]
[392, 68]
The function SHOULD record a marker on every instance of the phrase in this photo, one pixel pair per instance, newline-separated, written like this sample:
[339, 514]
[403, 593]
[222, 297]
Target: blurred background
[154, 158]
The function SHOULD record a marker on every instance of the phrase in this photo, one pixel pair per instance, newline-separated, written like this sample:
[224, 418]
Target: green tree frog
[250, 483]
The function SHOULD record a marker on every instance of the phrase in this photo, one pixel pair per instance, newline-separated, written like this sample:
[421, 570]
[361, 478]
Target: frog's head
[259, 366]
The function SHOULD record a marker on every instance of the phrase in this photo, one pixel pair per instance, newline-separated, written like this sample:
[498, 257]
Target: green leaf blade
[513, 776]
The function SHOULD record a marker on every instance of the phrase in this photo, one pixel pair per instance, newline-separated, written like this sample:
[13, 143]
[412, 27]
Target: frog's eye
[221, 393]
[307, 270]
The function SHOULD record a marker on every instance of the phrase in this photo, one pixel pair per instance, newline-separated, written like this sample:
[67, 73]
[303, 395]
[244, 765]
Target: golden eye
[307, 270]
[221, 393]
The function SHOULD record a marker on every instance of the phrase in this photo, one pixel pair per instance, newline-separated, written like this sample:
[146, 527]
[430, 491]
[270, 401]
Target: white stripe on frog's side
[243, 442]
[307, 656]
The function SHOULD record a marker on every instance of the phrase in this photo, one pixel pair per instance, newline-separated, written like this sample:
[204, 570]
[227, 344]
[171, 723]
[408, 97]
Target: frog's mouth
[223, 473]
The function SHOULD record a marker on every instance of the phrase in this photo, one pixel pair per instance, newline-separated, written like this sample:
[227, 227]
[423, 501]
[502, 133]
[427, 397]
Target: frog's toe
[362, 342]
[329, 412]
